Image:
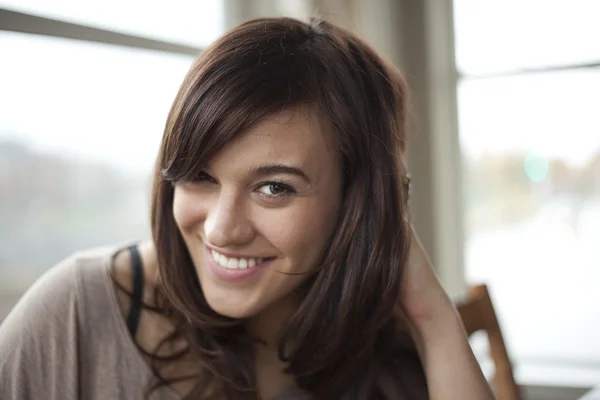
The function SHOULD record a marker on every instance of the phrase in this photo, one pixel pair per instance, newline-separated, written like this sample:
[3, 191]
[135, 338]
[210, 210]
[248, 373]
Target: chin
[229, 307]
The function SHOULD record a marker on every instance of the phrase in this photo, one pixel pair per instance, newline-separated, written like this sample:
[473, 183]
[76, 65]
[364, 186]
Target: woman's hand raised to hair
[423, 299]
[450, 366]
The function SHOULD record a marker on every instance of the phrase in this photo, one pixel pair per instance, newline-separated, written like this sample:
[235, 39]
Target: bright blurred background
[505, 144]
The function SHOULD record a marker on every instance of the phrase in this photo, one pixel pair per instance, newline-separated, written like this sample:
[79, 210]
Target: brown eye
[275, 190]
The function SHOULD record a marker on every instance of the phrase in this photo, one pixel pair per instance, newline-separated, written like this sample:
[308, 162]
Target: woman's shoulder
[60, 295]
[65, 290]
[57, 322]
[51, 298]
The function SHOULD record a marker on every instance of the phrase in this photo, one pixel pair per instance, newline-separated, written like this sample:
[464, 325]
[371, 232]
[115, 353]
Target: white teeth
[235, 263]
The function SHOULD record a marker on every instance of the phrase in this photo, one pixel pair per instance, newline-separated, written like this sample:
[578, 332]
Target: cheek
[301, 234]
[187, 209]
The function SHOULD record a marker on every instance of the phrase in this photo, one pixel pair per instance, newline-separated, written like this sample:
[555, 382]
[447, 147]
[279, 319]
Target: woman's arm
[451, 368]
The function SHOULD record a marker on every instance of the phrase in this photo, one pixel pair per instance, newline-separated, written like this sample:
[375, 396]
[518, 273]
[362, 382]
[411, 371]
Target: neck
[269, 324]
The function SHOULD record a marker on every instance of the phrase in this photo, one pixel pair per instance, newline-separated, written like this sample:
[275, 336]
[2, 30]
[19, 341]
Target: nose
[227, 222]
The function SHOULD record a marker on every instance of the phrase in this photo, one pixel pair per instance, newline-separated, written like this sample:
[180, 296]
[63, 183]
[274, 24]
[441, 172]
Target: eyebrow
[273, 169]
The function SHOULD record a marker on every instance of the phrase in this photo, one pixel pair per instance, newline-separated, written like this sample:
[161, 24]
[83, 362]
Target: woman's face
[265, 206]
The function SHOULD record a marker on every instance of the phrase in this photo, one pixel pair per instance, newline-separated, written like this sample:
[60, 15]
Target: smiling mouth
[237, 263]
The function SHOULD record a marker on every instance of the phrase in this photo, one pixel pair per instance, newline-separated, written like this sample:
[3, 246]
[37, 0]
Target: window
[80, 126]
[528, 100]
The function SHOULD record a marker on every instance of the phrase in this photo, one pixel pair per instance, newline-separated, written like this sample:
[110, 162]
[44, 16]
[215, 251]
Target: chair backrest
[477, 312]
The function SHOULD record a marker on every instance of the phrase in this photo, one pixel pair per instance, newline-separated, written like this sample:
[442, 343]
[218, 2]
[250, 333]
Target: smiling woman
[282, 264]
[265, 158]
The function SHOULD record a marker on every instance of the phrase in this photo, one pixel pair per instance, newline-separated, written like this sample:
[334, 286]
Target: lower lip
[232, 275]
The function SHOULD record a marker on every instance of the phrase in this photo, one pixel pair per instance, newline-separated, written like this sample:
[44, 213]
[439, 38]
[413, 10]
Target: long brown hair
[343, 342]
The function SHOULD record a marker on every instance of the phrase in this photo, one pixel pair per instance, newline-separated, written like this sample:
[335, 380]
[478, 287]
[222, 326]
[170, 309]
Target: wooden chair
[477, 312]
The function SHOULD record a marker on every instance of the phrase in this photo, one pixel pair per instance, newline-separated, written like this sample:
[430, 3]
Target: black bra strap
[133, 319]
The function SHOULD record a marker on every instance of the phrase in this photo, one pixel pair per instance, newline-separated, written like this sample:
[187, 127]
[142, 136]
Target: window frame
[14, 21]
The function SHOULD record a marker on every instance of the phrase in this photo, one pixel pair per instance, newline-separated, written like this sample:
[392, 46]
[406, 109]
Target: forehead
[298, 137]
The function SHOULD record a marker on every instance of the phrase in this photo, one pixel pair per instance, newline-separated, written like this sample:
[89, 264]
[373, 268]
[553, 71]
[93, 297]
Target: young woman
[282, 263]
